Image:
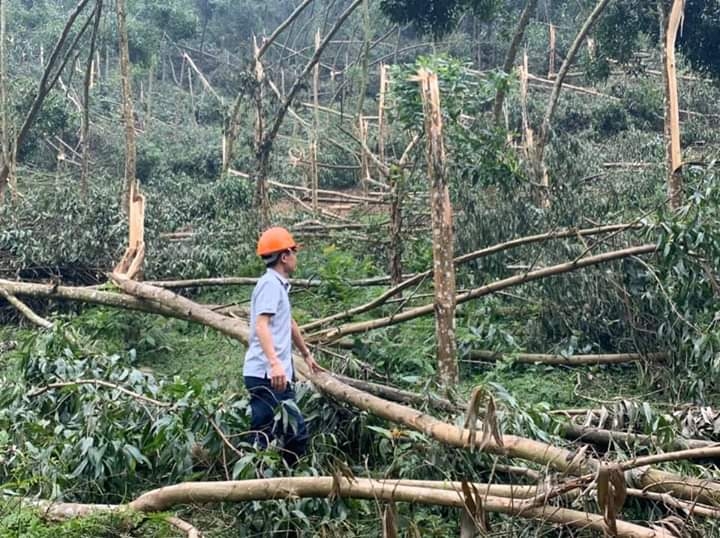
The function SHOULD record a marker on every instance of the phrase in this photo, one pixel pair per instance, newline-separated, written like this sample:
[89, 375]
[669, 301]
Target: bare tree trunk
[364, 63]
[552, 102]
[442, 232]
[314, 180]
[87, 83]
[397, 185]
[127, 106]
[672, 114]
[364, 161]
[262, 151]
[510, 56]
[134, 201]
[364, 326]
[425, 492]
[551, 51]
[384, 84]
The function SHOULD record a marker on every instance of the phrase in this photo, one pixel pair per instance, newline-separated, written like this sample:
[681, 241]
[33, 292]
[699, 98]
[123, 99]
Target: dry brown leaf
[390, 521]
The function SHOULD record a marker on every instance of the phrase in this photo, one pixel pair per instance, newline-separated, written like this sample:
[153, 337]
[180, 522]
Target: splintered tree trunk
[442, 233]
[551, 54]
[381, 112]
[672, 113]
[134, 202]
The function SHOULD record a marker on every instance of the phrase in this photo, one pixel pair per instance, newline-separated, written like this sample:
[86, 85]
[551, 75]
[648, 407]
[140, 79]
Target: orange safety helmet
[275, 240]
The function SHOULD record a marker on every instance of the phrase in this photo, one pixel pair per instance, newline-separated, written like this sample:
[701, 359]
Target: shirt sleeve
[268, 298]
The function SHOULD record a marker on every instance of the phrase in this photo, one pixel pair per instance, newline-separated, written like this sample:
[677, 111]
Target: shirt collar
[284, 281]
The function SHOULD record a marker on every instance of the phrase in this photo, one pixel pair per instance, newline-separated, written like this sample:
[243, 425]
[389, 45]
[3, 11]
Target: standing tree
[133, 201]
[442, 232]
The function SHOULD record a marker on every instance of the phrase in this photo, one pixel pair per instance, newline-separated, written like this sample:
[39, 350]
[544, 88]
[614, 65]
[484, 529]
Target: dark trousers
[292, 433]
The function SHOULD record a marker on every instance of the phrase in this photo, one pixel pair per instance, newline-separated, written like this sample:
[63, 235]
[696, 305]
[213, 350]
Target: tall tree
[133, 200]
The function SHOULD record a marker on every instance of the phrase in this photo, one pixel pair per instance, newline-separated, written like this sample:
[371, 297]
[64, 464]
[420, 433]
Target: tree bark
[87, 84]
[268, 139]
[449, 494]
[442, 232]
[127, 106]
[672, 114]
[572, 360]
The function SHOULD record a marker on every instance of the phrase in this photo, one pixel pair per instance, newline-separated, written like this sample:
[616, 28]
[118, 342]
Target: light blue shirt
[270, 296]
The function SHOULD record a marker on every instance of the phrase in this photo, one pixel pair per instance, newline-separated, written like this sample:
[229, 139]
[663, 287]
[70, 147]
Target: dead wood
[85, 295]
[403, 396]
[441, 212]
[251, 281]
[672, 114]
[264, 145]
[163, 499]
[53, 69]
[605, 438]
[417, 278]
[131, 187]
[692, 508]
[183, 526]
[412, 313]
[512, 446]
[87, 84]
[164, 302]
[569, 360]
[274, 488]
[25, 310]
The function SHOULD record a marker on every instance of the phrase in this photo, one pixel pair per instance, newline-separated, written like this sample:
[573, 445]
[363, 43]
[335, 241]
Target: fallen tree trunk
[412, 313]
[164, 302]
[165, 498]
[570, 360]
[604, 438]
[465, 258]
[404, 396]
[513, 446]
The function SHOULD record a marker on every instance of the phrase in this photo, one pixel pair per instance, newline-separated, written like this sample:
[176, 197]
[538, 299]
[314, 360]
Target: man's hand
[278, 381]
[312, 364]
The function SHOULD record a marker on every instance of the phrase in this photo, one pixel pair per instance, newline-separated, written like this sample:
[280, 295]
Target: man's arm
[278, 380]
[299, 342]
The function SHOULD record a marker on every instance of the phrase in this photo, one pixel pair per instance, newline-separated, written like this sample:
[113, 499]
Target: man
[268, 369]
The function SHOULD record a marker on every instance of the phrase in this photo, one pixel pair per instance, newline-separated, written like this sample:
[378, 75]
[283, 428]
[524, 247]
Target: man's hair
[271, 260]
